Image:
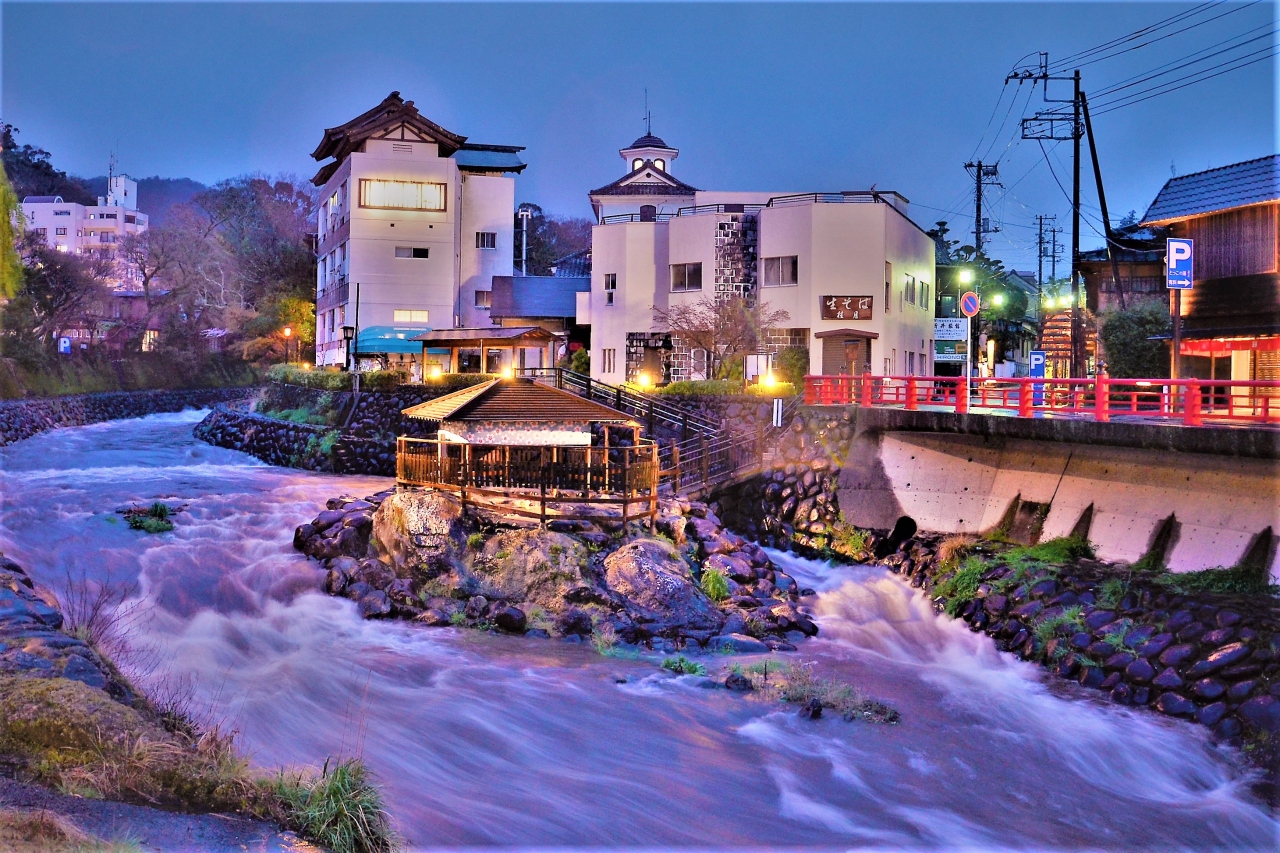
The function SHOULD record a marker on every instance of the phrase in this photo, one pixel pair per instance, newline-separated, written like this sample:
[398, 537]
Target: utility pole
[1102, 203]
[981, 172]
[524, 214]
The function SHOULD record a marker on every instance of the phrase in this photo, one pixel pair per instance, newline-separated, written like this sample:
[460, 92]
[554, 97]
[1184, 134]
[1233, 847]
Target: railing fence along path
[1191, 402]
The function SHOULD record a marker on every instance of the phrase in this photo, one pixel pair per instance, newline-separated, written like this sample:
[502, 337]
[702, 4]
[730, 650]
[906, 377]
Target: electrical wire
[1197, 77]
[1090, 56]
[1186, 61]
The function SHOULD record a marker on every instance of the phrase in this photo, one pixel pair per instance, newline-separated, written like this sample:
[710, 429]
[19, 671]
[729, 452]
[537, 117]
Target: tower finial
[648, 116]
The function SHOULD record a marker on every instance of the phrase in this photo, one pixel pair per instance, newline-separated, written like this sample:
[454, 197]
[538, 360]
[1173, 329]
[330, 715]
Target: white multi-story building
[854, 273]
[414, 219]
[89, 229]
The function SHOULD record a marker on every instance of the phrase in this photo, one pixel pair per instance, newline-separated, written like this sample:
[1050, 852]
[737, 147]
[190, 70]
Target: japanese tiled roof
[667, 184]
[514, 400]
[1238, 185]
[338, 142]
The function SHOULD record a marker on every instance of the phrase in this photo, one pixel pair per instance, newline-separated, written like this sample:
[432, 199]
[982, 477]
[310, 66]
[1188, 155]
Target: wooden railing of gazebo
[486, 474]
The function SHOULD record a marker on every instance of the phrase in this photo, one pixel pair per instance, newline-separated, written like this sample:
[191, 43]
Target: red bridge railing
[1192, 402]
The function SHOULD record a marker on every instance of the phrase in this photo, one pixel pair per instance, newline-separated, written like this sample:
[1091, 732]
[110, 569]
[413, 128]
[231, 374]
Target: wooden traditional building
[1231, 318]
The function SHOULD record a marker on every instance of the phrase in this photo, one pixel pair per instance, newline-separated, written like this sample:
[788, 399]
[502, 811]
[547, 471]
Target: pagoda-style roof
[396, 118]
[515, 400]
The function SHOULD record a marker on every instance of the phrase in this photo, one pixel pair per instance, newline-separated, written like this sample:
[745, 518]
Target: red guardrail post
[962, 396]
[1191, 404]
[911, 403]
[1102, 399]
[1024, 398]
[865, 390]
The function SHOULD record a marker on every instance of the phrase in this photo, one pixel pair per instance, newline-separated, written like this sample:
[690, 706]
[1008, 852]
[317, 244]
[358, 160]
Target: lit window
[483, 298]
[610, 286]
[781, 271]
[401, 195]
[686, 277]
[486, 240]
[660, 164]
[636, 163]
[609, 360]
[407, 315]
[411, 252]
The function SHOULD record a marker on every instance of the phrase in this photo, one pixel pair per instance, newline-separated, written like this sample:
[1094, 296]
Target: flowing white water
[482, 740]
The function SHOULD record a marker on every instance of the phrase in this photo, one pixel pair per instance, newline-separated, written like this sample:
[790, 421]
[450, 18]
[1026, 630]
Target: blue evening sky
[784, 97]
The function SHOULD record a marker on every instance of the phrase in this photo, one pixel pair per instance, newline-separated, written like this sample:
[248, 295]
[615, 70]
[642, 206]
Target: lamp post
[348, 332]
[288, 334]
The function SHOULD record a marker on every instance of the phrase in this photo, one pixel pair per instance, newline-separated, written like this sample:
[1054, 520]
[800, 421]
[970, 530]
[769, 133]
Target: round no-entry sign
[969, 303]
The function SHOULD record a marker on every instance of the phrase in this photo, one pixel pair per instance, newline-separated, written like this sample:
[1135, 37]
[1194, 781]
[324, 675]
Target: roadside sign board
[846, 307]
[955, 352]
[1180, 255]
[64, 345]
[969, 303]
[950, 340]
[1036, 361]
[949, 329]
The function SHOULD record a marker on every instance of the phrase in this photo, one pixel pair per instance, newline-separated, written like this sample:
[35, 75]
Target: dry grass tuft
[954, 547]
[39, 831]
[797, 684]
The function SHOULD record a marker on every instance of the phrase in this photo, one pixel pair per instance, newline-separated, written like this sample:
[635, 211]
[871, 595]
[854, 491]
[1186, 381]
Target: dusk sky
[783, 97]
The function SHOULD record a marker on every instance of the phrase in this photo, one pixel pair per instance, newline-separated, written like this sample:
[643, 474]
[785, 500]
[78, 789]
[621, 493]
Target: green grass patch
[1047, 629]
[961, 584]
[714, 584]
[339, 809]
[153, 519]
[796, 683]
[1239, 580]
[681, 665]
[475, 541]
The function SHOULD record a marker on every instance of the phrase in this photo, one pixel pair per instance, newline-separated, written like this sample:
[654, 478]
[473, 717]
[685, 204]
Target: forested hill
[155, 194]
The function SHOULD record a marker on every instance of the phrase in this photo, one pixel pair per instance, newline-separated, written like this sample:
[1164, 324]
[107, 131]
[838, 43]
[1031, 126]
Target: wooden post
[675, 465]
[1101, 399]
[542, 487]
[705, 463]
[911, 403]
[607, 478]
[653, 484]
[759, 444]
[865, 395]
[650, 413]
[466, 474]
[1191, 414]
[626, 484]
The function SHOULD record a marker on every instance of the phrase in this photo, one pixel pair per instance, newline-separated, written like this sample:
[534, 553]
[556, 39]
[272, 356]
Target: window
[106, 216]
[910, 290]
[686, 277]
[41, 232]
[130, 219]
[406, 315]
[401, 195]
[483, 298]
[93, 216]
[661, 164]
[609, 361]
[486, 239]
[411, 252]
[911, 364]
[637, 163]
[610, 287]
[149, 340]
[924, 294]
[781, 271]
[61, 232]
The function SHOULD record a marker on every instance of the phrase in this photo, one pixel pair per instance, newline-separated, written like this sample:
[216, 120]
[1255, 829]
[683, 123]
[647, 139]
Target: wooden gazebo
[516, 440]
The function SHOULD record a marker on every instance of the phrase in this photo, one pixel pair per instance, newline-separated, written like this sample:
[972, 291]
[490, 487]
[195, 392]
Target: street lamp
[997, 299]
[966, 276]
[348, 332]
[288, 333]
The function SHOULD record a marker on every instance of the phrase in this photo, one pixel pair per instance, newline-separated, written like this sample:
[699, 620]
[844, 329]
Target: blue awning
[383, 340]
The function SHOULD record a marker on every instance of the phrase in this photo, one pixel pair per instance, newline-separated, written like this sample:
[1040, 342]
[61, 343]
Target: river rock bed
[1213, 658]
[32, 642]
[417, 555]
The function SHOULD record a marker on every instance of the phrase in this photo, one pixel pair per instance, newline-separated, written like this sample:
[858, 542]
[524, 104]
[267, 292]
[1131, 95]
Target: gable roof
[400, 119]
[629, 184]
[1238, 185]
[514, 400]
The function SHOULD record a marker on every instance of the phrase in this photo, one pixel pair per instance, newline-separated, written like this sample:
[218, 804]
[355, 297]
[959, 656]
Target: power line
[1196, 77]
[1083, 59]
[1068, 60]
[1185, 61]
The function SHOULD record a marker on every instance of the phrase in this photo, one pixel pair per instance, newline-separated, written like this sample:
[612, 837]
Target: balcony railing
[334, 294]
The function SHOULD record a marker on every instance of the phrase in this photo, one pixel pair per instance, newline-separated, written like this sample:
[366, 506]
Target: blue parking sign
[1035, 368]
[1178, 263]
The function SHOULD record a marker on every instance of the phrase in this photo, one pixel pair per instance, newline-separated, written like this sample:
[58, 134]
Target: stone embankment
[21, 419]
[33, 643]
[416, 555]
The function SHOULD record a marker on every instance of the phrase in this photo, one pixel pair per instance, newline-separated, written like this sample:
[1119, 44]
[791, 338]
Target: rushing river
[484, 740]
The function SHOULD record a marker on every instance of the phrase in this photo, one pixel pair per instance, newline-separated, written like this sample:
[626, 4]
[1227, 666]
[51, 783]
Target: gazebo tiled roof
[514, 400]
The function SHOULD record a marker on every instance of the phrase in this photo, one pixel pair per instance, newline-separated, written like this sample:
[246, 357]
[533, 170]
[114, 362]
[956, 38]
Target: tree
[725, 329]
[939, 235]
[550, 238]
[11, 225]
[58, 291]
[31, 173]
[1125, 336]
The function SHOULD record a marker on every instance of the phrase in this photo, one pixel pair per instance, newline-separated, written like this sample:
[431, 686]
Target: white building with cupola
[853, 271]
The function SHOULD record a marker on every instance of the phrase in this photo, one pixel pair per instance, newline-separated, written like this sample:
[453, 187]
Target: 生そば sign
[846, 307]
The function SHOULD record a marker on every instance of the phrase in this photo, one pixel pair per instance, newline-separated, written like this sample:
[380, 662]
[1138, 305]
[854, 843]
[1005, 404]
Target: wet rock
[1228, 729]
[78, 668]
[1175, 705]
[477, 606]
[1028, 611]
[1241, 670]
[1209, 715]
[1110, 681]
[654, 580]
[1240, 691]
[995, 604]
[738, 683]
[1178, 621]
[1208, 688]
[1155, 645]
[1176, 655]
[1100, 650]
[511, 619]
[1098, 618]
[1081, 641]
[1226, 618]
[1139, 671]
[1224, 656]
[1262, 712]
[1217, 637]
[1121, 694]
[1191, 633]
[374, 604]
[1168, 679]
[737, 643]
[811, 710]
[1119, 660]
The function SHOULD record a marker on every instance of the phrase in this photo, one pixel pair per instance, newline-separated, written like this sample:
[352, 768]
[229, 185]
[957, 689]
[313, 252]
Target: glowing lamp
[767, 380]
[435, 372]
[966, 276]
[507, 373]
[288, 331]
[643, 380]
[997, 299]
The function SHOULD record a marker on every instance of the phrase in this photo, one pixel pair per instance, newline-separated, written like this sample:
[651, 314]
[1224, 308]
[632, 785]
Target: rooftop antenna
[648, 116]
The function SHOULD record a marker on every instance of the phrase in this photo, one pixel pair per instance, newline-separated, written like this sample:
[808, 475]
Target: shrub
[849, 541]
[1239, 580]
[324, 379]
[382, 380]
[475, 541]
[1047, 629]
[681, 665]
[797, 684]
[955, 547]
[1127, 337]
[703, 388]
[580, 361]
[777, 389]
[340, 809]
[961, 584]
[714, 584]
[604, 639]
[792, 365]
[154, 519]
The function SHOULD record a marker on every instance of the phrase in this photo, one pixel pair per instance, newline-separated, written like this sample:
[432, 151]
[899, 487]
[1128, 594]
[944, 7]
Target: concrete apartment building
[89, 229]
[417, 221]
[851, 269]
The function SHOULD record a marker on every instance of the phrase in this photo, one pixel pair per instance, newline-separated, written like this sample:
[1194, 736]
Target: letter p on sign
[1179, 261]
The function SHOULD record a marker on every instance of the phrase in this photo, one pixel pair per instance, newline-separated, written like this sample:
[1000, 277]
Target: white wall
[635, 252]
[488, 204]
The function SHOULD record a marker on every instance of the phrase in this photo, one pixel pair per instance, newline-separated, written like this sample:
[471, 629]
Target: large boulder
[420, 534]
[656, 585]
[539, 566]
